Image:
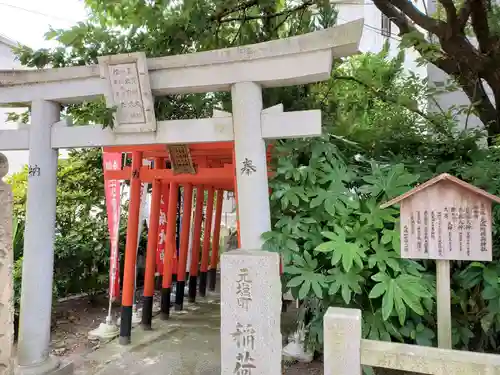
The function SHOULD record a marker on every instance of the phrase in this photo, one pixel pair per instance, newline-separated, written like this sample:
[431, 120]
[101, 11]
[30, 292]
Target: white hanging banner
[191, 234]
[143, 213]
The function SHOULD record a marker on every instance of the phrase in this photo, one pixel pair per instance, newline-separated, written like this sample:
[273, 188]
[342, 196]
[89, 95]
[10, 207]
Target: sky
[26, 21]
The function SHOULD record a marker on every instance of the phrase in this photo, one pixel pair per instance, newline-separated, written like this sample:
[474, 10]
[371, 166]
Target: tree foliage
[448, 45]
[81, 248]
[462, 38]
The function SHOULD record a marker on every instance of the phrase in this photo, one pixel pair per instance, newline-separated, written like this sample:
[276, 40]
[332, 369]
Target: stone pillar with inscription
[251, 164]
[6, 260]
[38, 261]
[250, 310]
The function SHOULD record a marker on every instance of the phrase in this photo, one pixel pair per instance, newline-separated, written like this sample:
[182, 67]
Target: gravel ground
[73, 319]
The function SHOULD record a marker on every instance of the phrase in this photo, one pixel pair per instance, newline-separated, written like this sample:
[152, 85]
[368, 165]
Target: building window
[385, 26]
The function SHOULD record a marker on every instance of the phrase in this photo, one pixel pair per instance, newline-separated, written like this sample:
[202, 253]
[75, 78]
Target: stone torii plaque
[445, 219]
[129, 91]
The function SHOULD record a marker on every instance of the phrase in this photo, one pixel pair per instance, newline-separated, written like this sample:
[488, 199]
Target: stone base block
[52, 366]
[104, 332]
[250, 312]
[342, 346]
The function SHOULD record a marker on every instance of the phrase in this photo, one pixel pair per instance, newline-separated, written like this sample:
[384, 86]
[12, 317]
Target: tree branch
[451, 12]
[228, 10]
[406, 26]
[474, 89]
[479, 22]
[421, 19]
[304, 5]
[485, 110]
[395, 16]
[463, 15]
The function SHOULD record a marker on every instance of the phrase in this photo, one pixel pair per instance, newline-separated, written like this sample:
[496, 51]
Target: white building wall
[373, 40]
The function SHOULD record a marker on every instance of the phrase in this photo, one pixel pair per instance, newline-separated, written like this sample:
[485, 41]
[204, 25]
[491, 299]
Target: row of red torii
[210, 169]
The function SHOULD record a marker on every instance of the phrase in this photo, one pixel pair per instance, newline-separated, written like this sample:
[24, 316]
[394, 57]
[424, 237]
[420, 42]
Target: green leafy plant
[353, 260]
[81, 248]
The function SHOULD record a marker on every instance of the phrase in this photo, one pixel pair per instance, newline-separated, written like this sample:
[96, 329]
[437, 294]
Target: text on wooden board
[451, 228]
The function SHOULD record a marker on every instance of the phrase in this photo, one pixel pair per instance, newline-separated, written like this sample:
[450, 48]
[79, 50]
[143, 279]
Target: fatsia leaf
[330, 235]
[292, 245]
[361, 233]
[376, 328]
[304, 289]
[336, 171]
[404, 291]
[378, 216]
[325, 247]
[305, 276]
[296, 281]
[319, 197]
[377, 290]
[389, 182]
[317, 289]
[383, 257]
[345, 282]
[293, 270]
[312, 263]
[345, 252]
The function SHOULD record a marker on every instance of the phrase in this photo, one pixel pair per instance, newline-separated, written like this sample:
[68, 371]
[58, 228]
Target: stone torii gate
[130, 82]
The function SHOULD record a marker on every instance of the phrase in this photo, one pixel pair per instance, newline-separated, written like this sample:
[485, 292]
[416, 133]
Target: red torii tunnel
[204, 168]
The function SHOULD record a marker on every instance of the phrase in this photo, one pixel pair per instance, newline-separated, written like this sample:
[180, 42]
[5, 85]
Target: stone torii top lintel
[297, 60]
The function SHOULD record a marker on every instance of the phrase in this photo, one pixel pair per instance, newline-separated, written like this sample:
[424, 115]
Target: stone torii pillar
[251, 164]
[38, 259]
[250, 155]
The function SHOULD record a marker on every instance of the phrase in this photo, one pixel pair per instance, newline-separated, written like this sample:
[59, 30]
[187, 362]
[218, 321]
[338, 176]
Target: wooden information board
[446, 218]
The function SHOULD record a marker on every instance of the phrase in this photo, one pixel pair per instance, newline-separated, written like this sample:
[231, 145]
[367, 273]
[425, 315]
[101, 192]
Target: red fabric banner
[113, 161]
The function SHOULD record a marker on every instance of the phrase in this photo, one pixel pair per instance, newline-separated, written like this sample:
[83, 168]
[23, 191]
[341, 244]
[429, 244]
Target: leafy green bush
[81, 247]
[340, 248]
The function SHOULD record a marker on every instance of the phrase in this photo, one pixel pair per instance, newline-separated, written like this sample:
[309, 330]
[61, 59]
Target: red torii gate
[214, 172]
